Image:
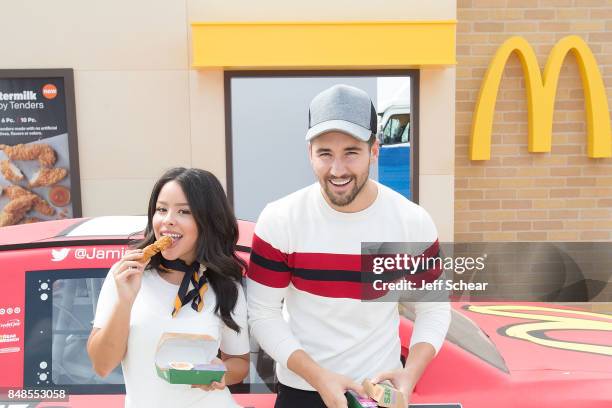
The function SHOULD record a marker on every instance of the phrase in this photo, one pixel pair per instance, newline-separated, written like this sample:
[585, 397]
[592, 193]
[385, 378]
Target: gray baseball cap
[342, 108]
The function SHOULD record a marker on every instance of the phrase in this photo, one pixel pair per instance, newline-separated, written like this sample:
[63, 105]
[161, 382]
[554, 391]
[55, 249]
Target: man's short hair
[372, 140]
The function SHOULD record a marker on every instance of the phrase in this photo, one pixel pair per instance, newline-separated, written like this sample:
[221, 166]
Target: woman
[139, 302]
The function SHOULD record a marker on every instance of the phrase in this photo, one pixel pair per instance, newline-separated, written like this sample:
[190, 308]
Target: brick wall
[558, 196]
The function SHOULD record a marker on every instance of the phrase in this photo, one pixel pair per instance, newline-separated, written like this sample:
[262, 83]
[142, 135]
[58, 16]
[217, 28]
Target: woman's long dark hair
[217, 234]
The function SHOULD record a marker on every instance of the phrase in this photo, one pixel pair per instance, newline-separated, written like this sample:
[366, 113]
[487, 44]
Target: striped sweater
[306, 259]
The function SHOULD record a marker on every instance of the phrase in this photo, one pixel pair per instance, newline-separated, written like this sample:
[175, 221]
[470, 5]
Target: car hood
[17, 235]
[75, 231]
[536, 336]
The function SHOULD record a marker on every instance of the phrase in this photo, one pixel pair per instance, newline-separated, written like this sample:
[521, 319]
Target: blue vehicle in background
[394, 138]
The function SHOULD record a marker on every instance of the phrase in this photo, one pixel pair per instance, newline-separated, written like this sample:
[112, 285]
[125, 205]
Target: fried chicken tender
[48, 177]
[15, 210]
[158, 246]
[43, 207]
[14, 192]
[40, 205]
[41, 152]
[10, 171]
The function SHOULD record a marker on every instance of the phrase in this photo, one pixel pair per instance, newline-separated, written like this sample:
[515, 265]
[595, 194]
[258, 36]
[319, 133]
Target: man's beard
[346, 199]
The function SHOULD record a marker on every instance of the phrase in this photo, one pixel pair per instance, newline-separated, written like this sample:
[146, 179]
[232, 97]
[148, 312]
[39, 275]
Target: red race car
[496, 355]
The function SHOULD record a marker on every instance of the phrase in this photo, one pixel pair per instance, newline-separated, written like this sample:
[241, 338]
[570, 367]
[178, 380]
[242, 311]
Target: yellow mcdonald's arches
[541, 91]
[531, 331]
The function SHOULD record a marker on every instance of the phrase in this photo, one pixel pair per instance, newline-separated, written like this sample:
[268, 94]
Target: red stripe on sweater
[264, 275]
[351, 290]
[314, 260]
[267, 277]
[319, 261]
[432, 250]
[263, 248]
[344, 262]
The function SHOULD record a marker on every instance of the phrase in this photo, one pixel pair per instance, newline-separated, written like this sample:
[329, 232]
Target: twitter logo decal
[58, 255]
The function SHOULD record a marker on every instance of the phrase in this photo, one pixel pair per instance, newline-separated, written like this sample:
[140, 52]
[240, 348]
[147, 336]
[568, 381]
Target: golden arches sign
[563, 319]
[541, 91]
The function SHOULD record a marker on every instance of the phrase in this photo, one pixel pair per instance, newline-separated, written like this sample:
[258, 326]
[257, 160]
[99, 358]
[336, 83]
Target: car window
[397, 129]
[74, 305]
[405, 138]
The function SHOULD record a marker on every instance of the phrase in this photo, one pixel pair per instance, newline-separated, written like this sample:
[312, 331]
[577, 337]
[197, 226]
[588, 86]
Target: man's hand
[401, 379]
[332, 386]
[405, 379]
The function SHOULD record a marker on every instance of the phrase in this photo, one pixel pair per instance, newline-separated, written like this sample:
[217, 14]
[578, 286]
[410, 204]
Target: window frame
[413, 74]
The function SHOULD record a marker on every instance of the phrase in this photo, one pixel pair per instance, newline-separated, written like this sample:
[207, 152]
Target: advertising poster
[39, 170]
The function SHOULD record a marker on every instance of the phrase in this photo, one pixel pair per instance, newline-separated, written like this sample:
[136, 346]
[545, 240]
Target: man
[306, 253]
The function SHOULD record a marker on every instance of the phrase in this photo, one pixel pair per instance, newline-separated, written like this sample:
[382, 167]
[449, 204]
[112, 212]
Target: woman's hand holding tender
[128, 276]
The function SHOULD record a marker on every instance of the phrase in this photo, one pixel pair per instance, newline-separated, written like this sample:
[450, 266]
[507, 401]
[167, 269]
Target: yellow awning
[323, 45]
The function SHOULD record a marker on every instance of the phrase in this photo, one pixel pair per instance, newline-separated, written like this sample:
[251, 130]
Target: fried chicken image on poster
[35, 176]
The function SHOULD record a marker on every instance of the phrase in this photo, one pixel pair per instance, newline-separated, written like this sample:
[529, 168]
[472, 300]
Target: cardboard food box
[186, 359]
[384, 394]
